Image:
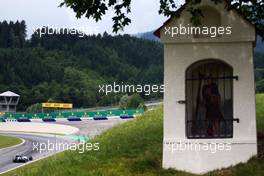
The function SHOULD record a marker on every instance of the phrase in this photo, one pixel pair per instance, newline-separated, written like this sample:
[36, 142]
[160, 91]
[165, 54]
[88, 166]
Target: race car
[22, 159]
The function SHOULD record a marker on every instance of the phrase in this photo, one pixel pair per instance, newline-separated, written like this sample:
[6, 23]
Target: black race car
[22, 159]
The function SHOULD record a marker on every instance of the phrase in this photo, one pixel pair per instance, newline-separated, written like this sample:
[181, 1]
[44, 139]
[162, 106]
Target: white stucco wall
[237, 51]
[178, 57]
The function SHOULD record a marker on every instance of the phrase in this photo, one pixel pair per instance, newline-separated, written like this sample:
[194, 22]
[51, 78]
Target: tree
[134, 101]
[12, 34]
[4, 34]
[260, 86]
[123, 102]
[251, 9]
[142, 106]
[35, 108]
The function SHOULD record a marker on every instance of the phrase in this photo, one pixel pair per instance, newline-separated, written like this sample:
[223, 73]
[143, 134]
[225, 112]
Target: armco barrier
[23, 120]
[127, 117]
[74, 119]
[71, 116]
[100, 118]
[67, 115]
[48, 120]
[2, 119]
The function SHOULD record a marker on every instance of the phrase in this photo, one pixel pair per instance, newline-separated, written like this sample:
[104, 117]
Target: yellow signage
[57, 105]
[2, 113]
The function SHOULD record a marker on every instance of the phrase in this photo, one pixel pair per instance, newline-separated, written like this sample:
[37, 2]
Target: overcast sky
[38, 13]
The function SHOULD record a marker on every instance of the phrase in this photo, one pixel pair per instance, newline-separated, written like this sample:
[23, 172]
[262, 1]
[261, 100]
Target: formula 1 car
[22, 159]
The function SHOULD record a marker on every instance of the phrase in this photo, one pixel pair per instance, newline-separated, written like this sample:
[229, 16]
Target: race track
[7, 155]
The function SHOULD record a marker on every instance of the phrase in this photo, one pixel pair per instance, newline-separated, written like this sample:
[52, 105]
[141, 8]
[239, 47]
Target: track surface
[92, 128]
[7, 155]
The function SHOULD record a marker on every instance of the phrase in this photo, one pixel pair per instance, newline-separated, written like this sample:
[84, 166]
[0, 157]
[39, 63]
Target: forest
[67, 68]
[259, 71]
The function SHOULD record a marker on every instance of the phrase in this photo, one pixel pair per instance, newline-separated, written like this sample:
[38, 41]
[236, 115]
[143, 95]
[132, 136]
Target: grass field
[260, 112]
[133, 148]
[7, 141]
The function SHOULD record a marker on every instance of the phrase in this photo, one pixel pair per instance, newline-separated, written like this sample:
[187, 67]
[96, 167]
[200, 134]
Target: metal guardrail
[80, 113]
[83, 114]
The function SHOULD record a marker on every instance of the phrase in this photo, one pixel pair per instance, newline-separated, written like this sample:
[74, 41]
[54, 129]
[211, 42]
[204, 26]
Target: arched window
[209, 100]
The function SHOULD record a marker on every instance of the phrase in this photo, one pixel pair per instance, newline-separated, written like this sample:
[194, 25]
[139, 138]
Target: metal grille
[209, 100]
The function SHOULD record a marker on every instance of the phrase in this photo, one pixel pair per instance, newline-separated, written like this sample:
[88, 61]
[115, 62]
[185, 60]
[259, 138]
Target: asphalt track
[92, 128]
[7, 155]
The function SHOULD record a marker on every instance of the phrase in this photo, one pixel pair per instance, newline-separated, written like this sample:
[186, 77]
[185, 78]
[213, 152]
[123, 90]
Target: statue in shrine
[212, 101]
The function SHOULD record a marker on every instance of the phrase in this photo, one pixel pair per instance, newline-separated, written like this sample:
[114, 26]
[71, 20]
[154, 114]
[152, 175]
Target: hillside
[147, 36]
[69, 68]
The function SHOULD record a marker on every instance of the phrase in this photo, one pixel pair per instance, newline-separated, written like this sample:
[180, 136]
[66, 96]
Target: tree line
[259, 71]
[12, 34]
[67, 68]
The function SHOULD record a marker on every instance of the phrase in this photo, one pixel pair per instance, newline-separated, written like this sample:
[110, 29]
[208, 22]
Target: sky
[38, 13]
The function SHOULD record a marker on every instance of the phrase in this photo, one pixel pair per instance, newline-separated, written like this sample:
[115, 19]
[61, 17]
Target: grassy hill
[260, 112]
[133, 148]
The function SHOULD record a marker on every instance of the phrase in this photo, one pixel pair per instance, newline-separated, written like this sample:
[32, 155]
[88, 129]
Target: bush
[134, 101]
[123, 102]
[142, 106]
[260, 86]
[35, 108]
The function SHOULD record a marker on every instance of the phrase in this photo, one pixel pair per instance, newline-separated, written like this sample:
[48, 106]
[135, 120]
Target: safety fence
[70, 116]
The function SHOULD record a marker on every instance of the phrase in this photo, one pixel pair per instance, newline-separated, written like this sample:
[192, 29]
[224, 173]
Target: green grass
[133, 148]
[260, 112]
[8, 141]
